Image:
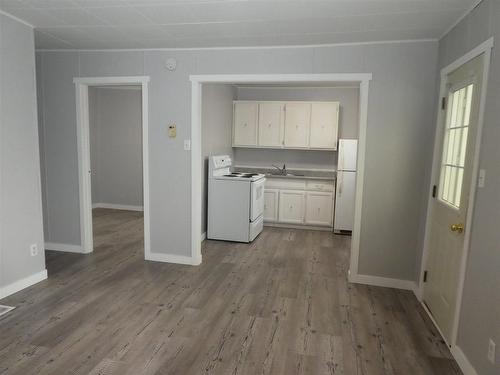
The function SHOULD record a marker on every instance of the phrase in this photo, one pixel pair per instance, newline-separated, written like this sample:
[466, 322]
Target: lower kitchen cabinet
[306, 203]
[271, 197]
[319, 208]
[291, 207]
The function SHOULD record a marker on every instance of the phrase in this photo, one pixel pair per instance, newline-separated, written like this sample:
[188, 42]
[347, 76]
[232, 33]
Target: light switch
[187, 144]
[172, 131]
[481, 178]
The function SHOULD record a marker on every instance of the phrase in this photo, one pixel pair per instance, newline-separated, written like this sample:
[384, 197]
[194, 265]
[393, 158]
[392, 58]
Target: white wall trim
[7, 14]
[385, 282]
[114, 206]
[360, 177]
[362, 79]
[26, 282]
[172, 258]
[68, 248]
[463, 361]
[396, 41]
[485, 48]
[83, 138]
[203, 236]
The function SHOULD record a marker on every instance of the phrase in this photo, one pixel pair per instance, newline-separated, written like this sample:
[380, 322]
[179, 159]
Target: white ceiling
[102, 24]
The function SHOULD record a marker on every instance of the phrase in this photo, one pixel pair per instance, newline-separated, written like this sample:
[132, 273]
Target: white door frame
[485, 48]
[363, 79]
[84, 167]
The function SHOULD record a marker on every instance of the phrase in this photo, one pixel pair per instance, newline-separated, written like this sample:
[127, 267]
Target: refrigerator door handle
[340, 183]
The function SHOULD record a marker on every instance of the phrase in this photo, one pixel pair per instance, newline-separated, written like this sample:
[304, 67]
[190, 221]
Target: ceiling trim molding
[402, 41]
[461, 18]
[7, 14]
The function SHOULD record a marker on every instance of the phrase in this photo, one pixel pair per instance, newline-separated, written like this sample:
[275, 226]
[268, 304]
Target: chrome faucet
[282, 171]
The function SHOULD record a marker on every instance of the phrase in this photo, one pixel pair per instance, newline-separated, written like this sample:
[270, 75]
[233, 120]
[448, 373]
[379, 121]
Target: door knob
[457, 227]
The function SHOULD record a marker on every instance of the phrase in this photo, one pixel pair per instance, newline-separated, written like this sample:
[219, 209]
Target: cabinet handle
[269, 125]
[245, 124]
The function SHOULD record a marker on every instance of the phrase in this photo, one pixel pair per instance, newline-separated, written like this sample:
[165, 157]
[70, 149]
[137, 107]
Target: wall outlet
[34, 250]
[187, 144]
[491, 351]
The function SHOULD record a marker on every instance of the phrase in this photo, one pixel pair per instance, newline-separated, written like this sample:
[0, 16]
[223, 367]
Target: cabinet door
[324, 125]
[297, 124]
[245, 124]
[270, 129]
[271, 205]
[291, 207]
[319, 208]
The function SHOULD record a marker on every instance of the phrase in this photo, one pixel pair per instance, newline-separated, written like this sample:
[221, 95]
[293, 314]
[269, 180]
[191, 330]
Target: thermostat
[172, 131]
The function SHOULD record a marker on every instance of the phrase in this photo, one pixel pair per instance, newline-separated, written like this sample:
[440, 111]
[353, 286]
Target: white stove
[235, 202]
[241, 176]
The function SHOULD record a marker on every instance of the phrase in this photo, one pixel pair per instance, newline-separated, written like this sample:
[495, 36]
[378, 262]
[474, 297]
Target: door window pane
[455, 145]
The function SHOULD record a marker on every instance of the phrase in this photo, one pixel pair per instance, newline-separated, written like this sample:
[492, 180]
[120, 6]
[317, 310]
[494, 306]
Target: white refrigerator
[346, 185]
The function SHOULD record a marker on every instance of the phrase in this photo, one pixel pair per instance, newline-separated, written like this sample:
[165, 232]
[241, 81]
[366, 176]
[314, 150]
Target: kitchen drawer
[281, 183]
[320, 185]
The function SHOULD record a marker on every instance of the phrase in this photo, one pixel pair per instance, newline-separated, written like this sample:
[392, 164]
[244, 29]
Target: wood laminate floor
[281, 305]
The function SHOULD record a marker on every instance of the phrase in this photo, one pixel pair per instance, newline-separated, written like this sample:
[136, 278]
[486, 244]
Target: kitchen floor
[280, 305]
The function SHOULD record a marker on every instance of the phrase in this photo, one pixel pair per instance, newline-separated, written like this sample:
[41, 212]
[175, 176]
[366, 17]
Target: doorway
[452, 193]
[197, 81]
[116, 165]
[87, 172]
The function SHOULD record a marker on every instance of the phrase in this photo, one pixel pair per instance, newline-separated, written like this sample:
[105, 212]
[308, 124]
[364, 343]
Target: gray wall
[348, 125]
[20, 191]
[400, 124]
[480, 313]
[115, 119]
[216, 123]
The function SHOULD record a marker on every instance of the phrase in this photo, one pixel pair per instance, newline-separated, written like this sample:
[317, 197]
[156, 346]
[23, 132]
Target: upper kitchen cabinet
[297, 124]
[245, 124]
[289, 125]
[270, 124]
[324, 125]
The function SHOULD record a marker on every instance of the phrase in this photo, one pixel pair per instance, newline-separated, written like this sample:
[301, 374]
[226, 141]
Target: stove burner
[231, 175]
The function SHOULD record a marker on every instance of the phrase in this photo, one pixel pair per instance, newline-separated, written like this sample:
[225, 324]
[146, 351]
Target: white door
[291, 206]
[271, 205]
[324, 125]
[345, 201]
[270, 124]
[297, 124]
[319, 208]
[449, 206]
[245, 124]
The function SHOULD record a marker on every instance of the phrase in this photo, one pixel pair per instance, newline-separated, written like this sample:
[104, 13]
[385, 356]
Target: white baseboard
[203, 236]
[383, 281]
[68, 248]
[462, 361]
[172, 258]
[118, 206]
[22, 284]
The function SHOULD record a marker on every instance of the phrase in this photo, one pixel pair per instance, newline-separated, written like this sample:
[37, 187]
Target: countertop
[297, 174]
